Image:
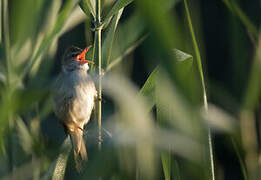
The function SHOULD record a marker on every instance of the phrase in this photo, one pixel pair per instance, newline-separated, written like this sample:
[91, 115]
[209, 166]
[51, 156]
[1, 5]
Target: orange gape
[81, 57]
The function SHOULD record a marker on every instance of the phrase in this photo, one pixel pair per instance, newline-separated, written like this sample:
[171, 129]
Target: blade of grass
[57, 171]
[197, 53]
[200, 69]
[166, 164]
[125, 42]
[108, 41]
[24, 135]
[166, 34]
[241, 161]
[234, 8]
[176, 168]
[253, 91]
[6, 116]
[6, 40]
[247, 117]
[123, 3]
[165, 155]
[1, 21]
[148, 89]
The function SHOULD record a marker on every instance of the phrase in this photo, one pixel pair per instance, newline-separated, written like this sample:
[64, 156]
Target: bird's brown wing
[62, 106]
[62, 99]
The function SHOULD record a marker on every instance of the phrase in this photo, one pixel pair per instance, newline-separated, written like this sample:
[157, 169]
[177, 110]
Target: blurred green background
[154, 122]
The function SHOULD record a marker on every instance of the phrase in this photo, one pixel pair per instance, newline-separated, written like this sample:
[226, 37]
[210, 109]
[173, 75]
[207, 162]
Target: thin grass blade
[58, 170]
[200, 69]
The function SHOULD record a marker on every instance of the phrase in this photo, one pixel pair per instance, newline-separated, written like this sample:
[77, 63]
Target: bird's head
[74, 58]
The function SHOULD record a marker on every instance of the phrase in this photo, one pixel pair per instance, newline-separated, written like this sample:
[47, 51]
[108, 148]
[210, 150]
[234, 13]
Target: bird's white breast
[80, 88]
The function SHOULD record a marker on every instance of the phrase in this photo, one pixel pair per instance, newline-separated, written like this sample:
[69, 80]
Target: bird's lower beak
[81, 56]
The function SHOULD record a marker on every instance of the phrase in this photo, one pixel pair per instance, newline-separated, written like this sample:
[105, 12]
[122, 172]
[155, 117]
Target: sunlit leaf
[148, 89]
[24, 136]
[88, 6]
[58, 170]
[184, 63]
[166, 164]
[220, 120]
[253, 91]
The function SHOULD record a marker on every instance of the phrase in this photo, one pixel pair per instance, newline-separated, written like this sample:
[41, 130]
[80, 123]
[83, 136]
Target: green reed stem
[200, 69]
[99, 56]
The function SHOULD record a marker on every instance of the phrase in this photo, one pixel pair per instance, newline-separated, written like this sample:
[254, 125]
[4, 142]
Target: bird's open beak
[81, 57]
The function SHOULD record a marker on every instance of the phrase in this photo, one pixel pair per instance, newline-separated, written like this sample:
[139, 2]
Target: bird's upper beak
[81, 56]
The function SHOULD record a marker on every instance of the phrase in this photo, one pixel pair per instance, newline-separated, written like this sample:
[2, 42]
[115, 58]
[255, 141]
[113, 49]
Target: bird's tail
[80, 154]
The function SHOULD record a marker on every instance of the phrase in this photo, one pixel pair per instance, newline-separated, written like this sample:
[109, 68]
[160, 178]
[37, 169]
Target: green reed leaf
[108, 41]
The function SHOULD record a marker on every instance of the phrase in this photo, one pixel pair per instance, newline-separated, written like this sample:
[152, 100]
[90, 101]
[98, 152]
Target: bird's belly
[83, 104]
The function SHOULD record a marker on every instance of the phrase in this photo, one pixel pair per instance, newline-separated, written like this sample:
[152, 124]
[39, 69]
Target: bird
[74, 98]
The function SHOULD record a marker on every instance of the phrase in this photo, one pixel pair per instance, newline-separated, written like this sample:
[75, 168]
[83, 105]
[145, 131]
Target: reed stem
[200, 69]
[99, 56]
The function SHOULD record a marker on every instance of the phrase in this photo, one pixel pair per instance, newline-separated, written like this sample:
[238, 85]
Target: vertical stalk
[6, 42]
[98, 31]
[200, 69]
[6, 39]
[0, 21]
